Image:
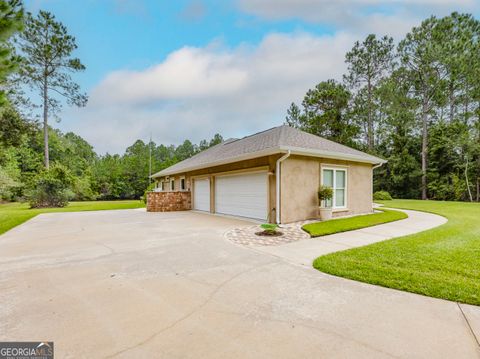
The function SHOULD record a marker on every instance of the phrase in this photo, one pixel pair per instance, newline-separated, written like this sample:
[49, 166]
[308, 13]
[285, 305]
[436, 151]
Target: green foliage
[416, 105]
[332, 226]
[324, 193]
[11, 21]
[441, 262]
[52, 188]
[382, 196]
[13, 127]
[7, 184]
[325, 113]
[150, 188]
[368, 63]
[269, 228]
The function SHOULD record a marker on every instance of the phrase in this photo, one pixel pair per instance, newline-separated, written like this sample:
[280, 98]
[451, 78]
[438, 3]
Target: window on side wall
[161, 186]
[182, 184]
[172, 185]
[336, 178]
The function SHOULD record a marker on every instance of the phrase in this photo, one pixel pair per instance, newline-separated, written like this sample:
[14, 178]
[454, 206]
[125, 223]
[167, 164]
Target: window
[182, 184]
[161, 186]
[336, 179]
[172, 185]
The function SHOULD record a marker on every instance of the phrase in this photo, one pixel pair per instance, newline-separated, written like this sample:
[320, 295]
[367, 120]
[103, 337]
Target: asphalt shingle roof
[275, 140]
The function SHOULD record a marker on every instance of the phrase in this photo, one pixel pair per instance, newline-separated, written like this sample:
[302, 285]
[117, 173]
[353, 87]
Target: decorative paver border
[246, 235]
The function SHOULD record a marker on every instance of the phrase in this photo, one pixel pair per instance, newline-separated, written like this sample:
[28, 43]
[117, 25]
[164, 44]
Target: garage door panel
[201, 194]
[242, 195]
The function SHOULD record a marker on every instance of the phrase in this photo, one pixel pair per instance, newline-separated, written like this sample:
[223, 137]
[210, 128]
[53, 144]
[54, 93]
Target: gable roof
[279, 139]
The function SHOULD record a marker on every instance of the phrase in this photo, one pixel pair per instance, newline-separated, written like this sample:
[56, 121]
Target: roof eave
[274, 150]
[247, 156]
[332, 155]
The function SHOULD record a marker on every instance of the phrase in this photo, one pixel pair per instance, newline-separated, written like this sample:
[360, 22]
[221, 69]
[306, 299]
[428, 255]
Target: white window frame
[162, 188]
[184, 188]
[172, 184]
[335, 169]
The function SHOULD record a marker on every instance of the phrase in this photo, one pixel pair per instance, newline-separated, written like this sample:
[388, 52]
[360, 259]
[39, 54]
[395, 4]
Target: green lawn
[443, 262]
[348, 224]
[13, 214]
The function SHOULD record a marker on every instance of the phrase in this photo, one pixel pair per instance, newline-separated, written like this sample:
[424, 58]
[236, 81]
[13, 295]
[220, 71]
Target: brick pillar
[169, 201]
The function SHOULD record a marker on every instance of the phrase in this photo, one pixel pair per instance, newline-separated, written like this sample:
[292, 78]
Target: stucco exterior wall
[301, 179]
[266, 163]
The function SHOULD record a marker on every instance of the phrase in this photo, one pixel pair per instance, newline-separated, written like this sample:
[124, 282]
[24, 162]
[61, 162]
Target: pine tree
[46, 48]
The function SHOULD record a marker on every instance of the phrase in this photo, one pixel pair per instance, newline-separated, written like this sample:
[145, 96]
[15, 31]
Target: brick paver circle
[246, 235]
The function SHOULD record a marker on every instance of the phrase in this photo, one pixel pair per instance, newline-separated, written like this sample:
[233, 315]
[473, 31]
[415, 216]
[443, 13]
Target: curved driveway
[131, 284]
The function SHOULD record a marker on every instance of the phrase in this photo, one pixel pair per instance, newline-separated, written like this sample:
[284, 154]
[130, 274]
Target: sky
[188, 69]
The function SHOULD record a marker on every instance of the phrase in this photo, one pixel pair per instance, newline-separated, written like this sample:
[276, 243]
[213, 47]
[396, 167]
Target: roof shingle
[279, 139]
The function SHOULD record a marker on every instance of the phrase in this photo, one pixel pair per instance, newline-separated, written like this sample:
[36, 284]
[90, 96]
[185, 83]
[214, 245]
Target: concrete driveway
[131, 284]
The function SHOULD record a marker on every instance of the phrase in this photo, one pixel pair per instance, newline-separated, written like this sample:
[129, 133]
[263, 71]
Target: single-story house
[271, 176]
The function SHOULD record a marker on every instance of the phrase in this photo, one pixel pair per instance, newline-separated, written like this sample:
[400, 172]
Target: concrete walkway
[304, 251]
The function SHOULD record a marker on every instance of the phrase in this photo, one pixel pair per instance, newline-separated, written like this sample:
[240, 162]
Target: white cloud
[393, 17]
[199, 91]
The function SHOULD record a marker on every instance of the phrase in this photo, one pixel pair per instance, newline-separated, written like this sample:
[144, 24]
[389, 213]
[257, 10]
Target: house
[272, 176]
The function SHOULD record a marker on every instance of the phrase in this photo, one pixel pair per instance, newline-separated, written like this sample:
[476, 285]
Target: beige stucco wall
[301, 179]
[266, 163]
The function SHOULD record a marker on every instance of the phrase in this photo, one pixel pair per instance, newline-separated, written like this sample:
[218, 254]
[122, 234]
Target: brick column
[169, 201]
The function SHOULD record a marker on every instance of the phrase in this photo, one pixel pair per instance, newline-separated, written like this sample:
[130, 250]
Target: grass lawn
[13, 214]
[348, 224]
[443, 262]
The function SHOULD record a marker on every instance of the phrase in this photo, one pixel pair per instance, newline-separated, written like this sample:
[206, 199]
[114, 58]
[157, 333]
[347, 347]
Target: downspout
[277, 180]
[376, 166]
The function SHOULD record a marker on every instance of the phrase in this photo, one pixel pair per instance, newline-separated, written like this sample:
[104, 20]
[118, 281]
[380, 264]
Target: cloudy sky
[190, 69]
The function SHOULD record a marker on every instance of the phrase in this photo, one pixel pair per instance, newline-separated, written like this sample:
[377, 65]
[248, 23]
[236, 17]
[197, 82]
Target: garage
[244, 195]
[201, 194]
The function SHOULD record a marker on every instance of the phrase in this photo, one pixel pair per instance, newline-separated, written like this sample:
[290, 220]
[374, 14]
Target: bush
[82, 189]
[324, 193]
[7, 184]
[150, 188]
[382, 196]
[269, 228]
[52, 188]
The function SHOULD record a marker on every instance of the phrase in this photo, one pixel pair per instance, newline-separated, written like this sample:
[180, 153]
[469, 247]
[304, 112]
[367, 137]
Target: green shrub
[150, 188]
[52, 188]
[7, 184]
[82, 189]
[324, 193]
[382, 196]
[269, 228]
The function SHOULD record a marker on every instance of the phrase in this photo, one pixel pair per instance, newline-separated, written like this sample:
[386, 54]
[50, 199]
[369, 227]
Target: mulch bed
[266, 234]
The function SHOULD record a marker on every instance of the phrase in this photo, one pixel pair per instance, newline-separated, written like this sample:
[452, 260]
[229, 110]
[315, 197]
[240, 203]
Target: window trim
[335, 168]
[172, 184]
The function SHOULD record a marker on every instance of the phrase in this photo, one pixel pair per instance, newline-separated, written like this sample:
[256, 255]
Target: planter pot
[325, 213]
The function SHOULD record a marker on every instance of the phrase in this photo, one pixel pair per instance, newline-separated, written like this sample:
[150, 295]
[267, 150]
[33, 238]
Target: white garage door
[201, 194]
[242, 195]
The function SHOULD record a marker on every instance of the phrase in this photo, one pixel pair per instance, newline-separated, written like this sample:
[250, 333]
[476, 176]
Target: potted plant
[325, 194]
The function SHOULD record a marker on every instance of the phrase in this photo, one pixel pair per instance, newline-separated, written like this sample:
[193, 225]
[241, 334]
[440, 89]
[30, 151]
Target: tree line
[415, 103]
[89, 176]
